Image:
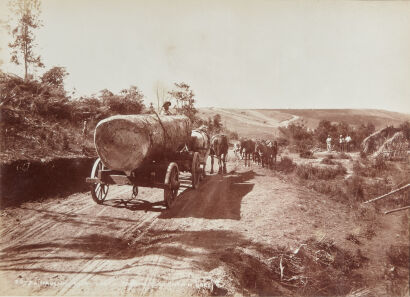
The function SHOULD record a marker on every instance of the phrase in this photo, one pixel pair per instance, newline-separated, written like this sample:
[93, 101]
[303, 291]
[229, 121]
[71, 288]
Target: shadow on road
[218, 197]
[136, 204]
[79, 219]
[252, 267]
[206, 250]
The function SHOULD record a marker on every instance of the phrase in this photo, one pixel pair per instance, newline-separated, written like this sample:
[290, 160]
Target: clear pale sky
[238, 54]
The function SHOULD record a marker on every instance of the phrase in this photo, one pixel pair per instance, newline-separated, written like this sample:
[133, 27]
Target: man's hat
[166, 103]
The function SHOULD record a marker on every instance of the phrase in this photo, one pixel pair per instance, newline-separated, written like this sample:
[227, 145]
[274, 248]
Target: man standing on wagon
[165, 108]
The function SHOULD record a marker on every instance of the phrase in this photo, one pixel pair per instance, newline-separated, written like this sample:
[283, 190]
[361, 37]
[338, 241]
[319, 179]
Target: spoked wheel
[99, 191]
[171, 184]
[134, 192]
[195, 170]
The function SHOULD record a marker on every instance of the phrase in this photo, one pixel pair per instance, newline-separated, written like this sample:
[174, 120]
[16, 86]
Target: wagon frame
[162, 173]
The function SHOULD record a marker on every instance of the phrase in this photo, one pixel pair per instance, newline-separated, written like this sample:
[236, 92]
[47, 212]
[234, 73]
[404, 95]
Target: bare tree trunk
[25, 69]
[25, 55]
[25, 62]
[157, 100]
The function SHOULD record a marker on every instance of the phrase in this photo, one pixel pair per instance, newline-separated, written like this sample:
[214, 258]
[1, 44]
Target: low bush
[282, 141]
[370, 168]
[306, 154]
[354, 188]
[332, 189]
[398, 255]
[380, 163]
[313, 173]
[328, 160]
[350, 191]
[405, 128]
[359, 169]
[285, 165]
[344, 156]
[119, 105]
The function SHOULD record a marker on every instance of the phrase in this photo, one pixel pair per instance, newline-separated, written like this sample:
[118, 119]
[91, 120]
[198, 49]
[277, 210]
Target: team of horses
[262, 152]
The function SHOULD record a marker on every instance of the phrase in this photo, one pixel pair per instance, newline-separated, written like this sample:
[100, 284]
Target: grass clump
[363, 155]
[345, 156]
[306, 154]
[328, 160]
[370, 168]
[354, 188]
[332, 189]
[286, 165]
[314, 173]
[398, 255]
[397, 271]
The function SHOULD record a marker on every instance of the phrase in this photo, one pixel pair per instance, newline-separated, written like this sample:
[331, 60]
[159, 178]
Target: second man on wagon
[165, 109]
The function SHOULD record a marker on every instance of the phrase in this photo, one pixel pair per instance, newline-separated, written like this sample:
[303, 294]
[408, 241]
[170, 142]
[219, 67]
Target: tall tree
[27, 19]
[185, 100]
[55, 76]
[129, 101]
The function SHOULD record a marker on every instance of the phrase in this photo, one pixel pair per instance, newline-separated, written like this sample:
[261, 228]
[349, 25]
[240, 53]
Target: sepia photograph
[204, 148]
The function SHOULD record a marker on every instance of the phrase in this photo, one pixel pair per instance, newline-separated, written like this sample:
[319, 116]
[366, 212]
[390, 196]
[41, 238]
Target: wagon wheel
[195, 170]
[171, 184]
[99, 191]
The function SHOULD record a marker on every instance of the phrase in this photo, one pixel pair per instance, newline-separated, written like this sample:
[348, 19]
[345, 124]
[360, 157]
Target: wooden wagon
[157, 169]
[163, 174]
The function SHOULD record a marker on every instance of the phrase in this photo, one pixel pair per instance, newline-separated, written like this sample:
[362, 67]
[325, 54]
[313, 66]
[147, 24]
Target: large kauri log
[125, 142]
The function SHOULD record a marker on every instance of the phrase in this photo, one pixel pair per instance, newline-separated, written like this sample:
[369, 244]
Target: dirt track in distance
[213, 241]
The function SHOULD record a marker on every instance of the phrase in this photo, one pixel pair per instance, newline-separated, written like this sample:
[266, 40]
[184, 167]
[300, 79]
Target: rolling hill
[265, 122]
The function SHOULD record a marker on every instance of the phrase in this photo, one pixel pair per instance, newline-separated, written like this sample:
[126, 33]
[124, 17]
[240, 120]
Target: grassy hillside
[39, 121]
[249, 122]
[26, 136]
[262, 123]
[355, 117]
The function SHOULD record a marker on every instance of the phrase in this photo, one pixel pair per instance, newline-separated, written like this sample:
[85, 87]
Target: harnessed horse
[219, 149]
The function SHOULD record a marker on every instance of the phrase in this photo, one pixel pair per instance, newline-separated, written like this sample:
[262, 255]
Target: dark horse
[274, 151]
[267, 152]
[262, 152]
[248, 147]
[219, 149]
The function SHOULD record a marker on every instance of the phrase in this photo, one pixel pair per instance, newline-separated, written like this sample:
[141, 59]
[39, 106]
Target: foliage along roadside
[40, 120]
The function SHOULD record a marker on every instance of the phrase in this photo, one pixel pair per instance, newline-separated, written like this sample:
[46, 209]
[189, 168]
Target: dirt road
[217, 240]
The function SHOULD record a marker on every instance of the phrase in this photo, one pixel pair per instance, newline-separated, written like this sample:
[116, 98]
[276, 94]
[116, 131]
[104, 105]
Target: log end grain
[125, 142]
[121, 144]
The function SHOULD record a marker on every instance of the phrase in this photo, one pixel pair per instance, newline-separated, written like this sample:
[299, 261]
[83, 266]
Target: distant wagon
[145, 151]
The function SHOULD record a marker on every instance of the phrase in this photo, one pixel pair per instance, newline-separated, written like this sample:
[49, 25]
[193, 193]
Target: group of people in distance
[344, 143]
